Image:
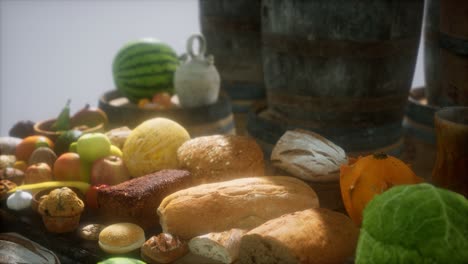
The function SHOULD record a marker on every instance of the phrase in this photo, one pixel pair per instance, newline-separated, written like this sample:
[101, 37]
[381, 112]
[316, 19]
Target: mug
[451, 166]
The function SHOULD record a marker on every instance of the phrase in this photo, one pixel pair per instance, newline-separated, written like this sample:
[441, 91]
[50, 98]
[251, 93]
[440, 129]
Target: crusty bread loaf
[137, 200]
[309, 156]
[241, 203]
[221, 157]
[219, 246]
[310, 236]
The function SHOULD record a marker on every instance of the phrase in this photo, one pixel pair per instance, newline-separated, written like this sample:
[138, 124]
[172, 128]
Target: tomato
[91, 196]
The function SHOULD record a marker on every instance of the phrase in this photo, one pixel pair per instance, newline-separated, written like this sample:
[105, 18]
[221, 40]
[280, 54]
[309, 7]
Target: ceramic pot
[196, 80]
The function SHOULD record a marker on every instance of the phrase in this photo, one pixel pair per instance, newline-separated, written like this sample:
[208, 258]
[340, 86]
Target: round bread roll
[121, 238]
[163, 248]
[221, 157]
[91, 231]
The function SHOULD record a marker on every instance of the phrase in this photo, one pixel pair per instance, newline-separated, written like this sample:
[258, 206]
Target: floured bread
[309, 156]
[219, 246]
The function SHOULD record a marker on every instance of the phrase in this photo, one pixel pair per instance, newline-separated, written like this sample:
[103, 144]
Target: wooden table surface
[69, 247]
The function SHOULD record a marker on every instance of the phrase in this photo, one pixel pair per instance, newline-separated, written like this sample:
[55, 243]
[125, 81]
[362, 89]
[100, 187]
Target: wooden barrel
[419, 147]
[199, 121]
[240, 115]
[454, 52]
[233, 36]
[341, 68]
[431, 51]
[266, 129]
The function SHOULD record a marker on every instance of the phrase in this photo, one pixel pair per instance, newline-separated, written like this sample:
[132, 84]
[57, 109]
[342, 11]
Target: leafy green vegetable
[415, 224]
[63, 120]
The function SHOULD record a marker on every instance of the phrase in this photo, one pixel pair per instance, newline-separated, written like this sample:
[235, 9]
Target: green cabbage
[121, 260]
[414, 224]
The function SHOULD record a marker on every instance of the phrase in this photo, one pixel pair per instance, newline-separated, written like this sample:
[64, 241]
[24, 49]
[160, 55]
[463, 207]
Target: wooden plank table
[69, 247]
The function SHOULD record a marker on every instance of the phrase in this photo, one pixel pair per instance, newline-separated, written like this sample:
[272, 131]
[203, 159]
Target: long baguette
[242, 203]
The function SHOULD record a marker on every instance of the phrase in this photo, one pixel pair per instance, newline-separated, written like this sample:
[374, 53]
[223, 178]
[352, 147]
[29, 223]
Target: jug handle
[201, 45]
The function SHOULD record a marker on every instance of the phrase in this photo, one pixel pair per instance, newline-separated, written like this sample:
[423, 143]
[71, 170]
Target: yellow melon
[152, 146]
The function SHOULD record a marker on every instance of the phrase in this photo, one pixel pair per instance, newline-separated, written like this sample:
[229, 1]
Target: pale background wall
[52, 50]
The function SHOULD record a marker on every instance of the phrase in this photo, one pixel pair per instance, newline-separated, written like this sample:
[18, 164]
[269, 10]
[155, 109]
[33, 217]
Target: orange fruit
[68, 167]
[26, 147]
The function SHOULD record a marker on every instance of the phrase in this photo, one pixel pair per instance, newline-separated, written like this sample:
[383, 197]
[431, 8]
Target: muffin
[61, 210]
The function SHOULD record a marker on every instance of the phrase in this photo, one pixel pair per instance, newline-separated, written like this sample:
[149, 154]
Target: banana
[36, 187]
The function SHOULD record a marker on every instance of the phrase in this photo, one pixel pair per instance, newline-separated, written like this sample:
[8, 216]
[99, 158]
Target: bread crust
[241, 203]
[221, 157]
[309, 156]
[219, 246]
[137, 200]
[310, 236]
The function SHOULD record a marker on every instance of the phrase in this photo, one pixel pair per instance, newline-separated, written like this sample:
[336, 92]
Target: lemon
[152, 146]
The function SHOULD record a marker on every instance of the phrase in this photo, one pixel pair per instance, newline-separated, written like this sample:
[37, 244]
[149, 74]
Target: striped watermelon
[143, 68]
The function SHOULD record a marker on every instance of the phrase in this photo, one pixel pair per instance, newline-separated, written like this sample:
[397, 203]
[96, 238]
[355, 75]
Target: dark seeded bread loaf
[311, 236]
[138, 199]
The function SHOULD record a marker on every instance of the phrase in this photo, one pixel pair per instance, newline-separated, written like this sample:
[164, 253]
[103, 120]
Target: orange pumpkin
[367, 176]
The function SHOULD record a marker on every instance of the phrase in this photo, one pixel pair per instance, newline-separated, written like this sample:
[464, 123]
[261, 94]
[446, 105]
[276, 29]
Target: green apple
[72, 147]
[93, 146]
[115, 151]
[85, 171]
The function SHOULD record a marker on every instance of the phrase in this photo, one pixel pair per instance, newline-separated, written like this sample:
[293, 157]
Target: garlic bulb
[19, 200]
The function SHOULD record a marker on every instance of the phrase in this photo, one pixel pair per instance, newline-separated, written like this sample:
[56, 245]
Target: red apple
[110, 170]
[67, 167]
[39, 172]
[91, 196]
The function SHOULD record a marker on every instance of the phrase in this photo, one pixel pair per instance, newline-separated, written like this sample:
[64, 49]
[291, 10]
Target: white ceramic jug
[196, 80]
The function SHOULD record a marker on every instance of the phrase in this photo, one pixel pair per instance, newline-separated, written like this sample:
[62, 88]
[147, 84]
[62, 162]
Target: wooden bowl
[44, 128]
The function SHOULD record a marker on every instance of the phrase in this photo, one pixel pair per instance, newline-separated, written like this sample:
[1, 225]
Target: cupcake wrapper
[61, 224]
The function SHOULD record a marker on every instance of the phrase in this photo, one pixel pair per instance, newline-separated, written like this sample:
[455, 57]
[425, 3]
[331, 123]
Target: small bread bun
[91, 231]
[163, 248]
[121, 238]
